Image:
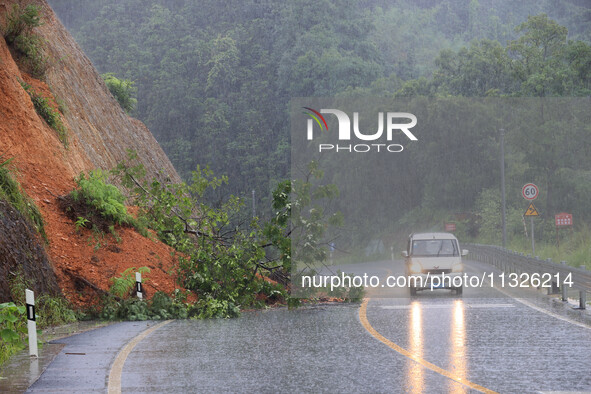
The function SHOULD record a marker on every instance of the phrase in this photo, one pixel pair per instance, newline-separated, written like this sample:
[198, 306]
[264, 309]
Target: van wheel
[413, 291]
[459, 290]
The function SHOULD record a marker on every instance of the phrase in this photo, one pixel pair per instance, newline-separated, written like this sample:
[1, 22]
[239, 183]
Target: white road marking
[448, 306]
[564, 392]
[542, 310]
[537, 308]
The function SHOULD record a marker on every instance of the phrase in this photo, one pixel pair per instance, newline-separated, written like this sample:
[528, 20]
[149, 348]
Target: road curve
[485, 341]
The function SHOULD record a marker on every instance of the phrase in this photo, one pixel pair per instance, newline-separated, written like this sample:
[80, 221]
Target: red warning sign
[450, 227]
[563, 219]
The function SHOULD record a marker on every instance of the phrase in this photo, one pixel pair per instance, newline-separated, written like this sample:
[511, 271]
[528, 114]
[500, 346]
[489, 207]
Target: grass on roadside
[575, 247]
[50, 311]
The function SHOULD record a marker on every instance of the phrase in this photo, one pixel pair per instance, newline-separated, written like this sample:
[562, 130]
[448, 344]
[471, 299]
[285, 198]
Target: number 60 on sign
[529, 191]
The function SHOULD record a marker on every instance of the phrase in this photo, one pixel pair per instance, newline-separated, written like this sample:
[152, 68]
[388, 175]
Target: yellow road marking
[415, 358]
[114, 386]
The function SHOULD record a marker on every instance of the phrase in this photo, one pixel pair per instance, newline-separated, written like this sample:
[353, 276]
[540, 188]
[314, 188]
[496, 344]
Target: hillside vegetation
[214, 80]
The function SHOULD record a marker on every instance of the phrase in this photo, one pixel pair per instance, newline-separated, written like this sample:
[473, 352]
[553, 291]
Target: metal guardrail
[509, 261]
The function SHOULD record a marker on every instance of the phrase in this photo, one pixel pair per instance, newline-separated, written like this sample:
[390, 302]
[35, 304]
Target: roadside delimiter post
[31, 323]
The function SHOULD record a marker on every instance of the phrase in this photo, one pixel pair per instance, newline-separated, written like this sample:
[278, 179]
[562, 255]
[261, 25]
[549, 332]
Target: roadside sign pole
[562, 220]
[533, 244]
[530, 192]
[504, 210]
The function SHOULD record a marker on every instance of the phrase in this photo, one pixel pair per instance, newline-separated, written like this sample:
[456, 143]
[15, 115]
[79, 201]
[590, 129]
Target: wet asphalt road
[485, 339]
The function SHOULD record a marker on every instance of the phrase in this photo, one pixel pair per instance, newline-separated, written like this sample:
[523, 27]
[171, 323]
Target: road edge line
[374, 333]
[546, 312]
[114, 383]
[540, 309]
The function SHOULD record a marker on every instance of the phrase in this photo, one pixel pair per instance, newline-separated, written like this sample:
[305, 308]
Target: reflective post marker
[31, 323]
[138, 285]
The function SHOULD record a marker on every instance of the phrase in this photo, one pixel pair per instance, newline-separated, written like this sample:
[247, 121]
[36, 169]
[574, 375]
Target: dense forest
[214, 81]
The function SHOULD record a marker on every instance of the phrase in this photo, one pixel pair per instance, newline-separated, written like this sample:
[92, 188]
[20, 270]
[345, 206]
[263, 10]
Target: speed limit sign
[529, 191]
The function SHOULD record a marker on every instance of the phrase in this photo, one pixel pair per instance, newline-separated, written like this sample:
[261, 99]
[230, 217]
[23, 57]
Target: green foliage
[33, 57]
[49, 310]
[205, 80]
[160, 307]
[11, 191]
[99, 206]
[13, 329]
[482, 69]
[123, 90]
[128, 309]
[133, 309]
[351, 294]
[223, 258]
[538, 56]
[123, 285]
[21, 21]
[572, 245]
[47, 112]
[18, 33]
[97, 237]
[81, 222]
[18, 285]
[302, 210]
[104, 197]
[210, 307]
[488, 210]
[163, 307]
[222, 90]
[221, 261]
[348, 294]
[53, 311]
[488, 207]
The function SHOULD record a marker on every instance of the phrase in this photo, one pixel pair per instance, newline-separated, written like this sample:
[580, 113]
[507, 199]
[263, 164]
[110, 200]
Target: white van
[433, 254]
